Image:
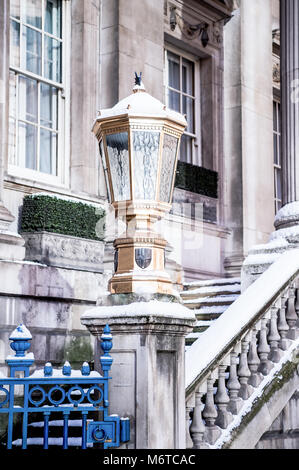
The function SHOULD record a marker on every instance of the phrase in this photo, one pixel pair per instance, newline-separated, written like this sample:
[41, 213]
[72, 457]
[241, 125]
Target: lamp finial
[138, 78]
[138, 83]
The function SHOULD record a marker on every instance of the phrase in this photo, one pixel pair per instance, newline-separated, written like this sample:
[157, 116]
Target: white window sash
[196, 136]
[61, 178]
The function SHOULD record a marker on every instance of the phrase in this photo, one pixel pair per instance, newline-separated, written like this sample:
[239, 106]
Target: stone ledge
[64, 251]
[29, 279]
[142, 317]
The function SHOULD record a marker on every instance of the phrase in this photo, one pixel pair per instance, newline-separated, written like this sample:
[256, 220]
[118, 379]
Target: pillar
[248, 130]
[84, 86]
[286, 222]
[289, 38]
[148, 370]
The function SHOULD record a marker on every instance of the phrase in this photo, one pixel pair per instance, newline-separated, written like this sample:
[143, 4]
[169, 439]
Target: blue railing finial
[106, 345]
[20, 340]
[67, 370]
[85, 369]
[48, 369]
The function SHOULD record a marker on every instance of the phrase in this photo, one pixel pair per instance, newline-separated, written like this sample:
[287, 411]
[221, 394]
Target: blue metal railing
[48, 391]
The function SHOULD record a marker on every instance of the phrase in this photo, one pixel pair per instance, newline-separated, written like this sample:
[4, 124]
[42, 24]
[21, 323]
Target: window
[37, 79]
[182, 83]
[277, 156]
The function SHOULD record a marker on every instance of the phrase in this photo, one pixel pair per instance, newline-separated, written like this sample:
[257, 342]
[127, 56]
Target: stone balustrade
[228, 384]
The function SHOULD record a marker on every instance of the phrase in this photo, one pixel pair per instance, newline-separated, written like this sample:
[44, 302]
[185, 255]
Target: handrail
[219, 338]
[234, 361]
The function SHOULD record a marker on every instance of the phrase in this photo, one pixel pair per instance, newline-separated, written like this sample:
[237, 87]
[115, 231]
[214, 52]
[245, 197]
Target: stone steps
[209, 299]
[35, 434]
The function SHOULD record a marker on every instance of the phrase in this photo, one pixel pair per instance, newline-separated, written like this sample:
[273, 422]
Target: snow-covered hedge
[60, 215]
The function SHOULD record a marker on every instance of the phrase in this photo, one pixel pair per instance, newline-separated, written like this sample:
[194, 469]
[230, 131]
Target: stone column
[289, 41]
[248, 130]
[286, 222]
[287, 219]
[148, 372]
[84, 63]
[11, 244]
[132, 39]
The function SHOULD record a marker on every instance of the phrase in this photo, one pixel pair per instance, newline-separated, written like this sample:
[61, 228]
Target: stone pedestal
[148, 372]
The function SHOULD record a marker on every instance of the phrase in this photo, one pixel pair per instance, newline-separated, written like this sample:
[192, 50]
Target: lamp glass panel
[146, 153]
[102, 154]
[170, 145]
[118, 153]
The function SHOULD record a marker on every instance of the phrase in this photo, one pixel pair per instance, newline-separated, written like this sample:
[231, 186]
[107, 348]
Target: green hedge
[197, 180]
[51, 214]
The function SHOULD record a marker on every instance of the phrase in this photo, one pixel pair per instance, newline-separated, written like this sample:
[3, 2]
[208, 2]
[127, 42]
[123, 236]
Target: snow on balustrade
[241, 354]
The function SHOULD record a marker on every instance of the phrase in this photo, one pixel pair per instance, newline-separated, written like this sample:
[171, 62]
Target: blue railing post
[20, 342]
[46, 429]
[106, 345]
[106, 363]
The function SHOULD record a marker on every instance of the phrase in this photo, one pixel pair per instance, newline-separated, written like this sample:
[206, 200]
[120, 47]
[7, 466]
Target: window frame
[63, 104]
[196, 155]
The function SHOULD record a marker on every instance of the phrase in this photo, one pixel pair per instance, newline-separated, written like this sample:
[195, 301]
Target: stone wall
[49, 301]
[284, 432]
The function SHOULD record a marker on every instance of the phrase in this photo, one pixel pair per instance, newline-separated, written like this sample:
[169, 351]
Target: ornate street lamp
[139, 142]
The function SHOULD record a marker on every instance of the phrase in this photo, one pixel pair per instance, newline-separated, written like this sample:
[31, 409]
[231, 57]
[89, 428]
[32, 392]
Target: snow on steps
[35, 431]
[209, 299]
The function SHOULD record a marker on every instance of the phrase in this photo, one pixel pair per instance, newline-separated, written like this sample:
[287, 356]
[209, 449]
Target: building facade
[216, 61]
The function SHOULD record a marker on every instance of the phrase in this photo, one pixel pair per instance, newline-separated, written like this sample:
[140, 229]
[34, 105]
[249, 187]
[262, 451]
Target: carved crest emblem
[143, 257]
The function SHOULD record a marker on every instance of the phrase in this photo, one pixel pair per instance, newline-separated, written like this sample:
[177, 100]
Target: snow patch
[289, 210]
[151, 308]
[21, 332]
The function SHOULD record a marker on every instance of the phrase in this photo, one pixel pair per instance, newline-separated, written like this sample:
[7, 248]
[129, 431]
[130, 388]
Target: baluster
[222, 400]
[189, 443]
[291, 316]
[264, 348]
[210, 413]
[233, 384]
[197, 429]
[253, 359]
[273, 337]
[244, 371]
[282, 325]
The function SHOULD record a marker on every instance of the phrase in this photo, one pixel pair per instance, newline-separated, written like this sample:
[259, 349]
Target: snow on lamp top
[141, 104]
